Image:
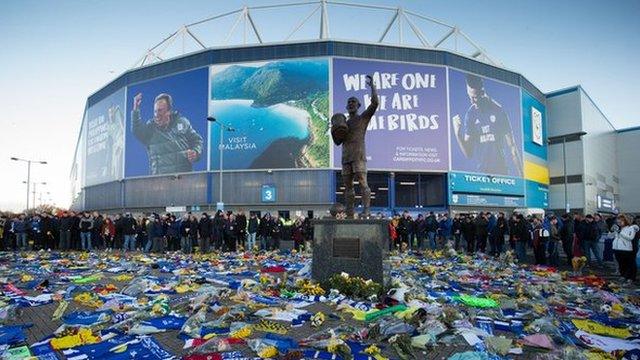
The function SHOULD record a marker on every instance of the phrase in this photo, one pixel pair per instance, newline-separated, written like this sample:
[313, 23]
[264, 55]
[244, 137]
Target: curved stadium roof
[326, 18]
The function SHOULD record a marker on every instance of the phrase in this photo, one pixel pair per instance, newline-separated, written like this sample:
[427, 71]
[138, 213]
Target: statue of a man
[350, 134]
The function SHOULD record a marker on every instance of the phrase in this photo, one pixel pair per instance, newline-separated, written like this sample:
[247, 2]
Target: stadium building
[247, 127]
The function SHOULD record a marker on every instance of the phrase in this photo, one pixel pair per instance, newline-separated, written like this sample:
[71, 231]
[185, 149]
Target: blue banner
[537, 195]
[486, 200]
[486, 125]
[485, 184]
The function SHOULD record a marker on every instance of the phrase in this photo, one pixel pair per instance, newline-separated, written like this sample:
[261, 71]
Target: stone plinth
[356, 247]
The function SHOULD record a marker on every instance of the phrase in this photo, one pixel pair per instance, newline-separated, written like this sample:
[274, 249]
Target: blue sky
[55, 53]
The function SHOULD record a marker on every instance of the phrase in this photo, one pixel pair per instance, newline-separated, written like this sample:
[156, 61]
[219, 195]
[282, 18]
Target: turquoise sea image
[264, 136]
[279, 111]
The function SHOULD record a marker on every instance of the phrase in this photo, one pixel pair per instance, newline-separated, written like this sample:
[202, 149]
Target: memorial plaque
[346, 248]
[355, 247]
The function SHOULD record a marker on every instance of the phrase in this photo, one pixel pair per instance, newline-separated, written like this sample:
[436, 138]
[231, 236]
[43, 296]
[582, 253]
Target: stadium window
[431, 190]
[406, 190]
[378, 183]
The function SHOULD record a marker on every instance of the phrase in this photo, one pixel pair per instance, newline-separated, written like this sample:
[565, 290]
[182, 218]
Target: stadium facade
[432, 145]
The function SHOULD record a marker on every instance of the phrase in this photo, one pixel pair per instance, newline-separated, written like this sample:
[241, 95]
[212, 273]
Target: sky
[54, 54]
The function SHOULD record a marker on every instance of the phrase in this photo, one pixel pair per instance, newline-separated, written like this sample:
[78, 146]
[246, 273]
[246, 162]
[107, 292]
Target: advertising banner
[486, 125]
[486, 200]
[534, 120]
[275, 114]
[105, 140]
[537, 195]
[485, 184]
[409, 129]
[166, 125]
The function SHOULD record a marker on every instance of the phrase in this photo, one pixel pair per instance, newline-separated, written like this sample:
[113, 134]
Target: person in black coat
[521, 237]
[456, 230]
[469, 234]
[566, 235]
[218, 230]
[204, 230]
[404, 227]
[230, 233]
[264, 231]
[252, 231]
[275, 226]
[241, 221]
[66, 224]
[502, 228]
[481, 232]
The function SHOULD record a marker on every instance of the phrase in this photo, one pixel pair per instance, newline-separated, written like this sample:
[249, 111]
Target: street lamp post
[28, 161]
[223, 127]
[34, 191]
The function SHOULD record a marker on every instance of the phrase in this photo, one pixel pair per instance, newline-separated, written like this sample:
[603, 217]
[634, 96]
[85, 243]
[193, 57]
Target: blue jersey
[487, 125]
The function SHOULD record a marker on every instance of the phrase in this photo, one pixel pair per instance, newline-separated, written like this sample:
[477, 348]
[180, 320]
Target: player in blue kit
[485, 135]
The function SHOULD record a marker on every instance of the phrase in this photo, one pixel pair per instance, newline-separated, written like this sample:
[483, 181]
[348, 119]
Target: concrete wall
[627, 144]
[565, 117]
[600, 160]
[564, 114]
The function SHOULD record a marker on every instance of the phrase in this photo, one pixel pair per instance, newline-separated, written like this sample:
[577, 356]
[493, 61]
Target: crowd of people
[577, 236]
[222, 231]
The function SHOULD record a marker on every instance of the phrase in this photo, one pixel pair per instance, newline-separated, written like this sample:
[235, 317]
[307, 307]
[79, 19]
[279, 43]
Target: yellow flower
[371, 350]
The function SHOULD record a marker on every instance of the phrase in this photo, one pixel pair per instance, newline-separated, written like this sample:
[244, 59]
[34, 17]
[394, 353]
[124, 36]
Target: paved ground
[43, 326]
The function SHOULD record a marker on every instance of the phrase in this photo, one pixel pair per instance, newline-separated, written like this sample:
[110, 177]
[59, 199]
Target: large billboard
[105, 140]
[278, 112]
[486, 130]
[166, 125]
[409, 129]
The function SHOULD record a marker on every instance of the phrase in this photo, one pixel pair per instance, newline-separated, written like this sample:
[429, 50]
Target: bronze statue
[350, 134]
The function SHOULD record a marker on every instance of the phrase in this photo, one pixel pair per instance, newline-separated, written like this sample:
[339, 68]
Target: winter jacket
[241, 221]
[253, 225]
[432, 223]
[86, 224]
[156, 230]
[128, 225]
[204, 227]
[187, 227]
[167, 147]
[173, 229]
[520, 232]
[109, 229]
[19, 226]
[445, 227]
[66, 223]
[36, 226]
[624, 238]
